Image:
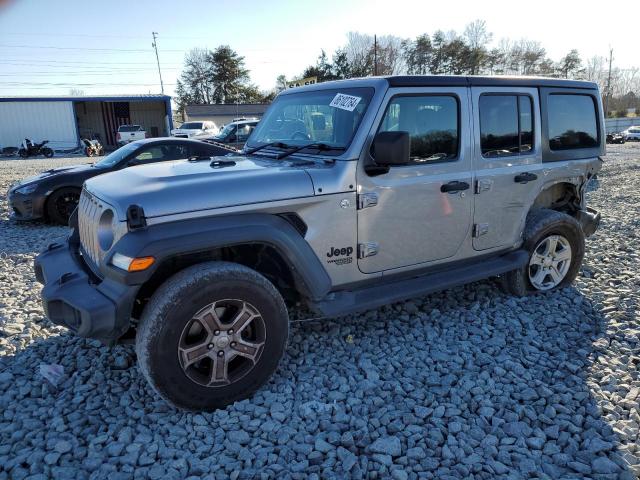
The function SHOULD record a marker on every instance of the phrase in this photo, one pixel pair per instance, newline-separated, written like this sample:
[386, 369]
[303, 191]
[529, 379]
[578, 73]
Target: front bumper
[25, 207]
[589, 220]
[75, 298]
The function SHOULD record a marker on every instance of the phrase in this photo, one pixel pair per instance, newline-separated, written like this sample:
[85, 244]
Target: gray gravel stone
[466, 383]
[387, 446]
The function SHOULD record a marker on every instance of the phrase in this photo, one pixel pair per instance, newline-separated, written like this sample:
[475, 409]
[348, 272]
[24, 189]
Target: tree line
[220, 76]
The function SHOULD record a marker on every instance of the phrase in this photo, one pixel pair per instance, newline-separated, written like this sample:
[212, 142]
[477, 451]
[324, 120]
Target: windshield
[129, 128]
[227, 130]
[191, 126]
[326, 116]
[116, 156]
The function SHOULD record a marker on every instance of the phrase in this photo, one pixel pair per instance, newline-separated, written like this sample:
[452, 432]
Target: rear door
[420, 212]
[507, 162]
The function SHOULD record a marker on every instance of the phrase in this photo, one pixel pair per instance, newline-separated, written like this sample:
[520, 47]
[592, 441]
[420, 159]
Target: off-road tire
[174, 305]
[53, 214]
[541, 224]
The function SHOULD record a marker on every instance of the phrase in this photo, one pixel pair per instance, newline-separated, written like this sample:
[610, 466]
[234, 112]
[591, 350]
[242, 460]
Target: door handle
[525, 177]
[453, 187]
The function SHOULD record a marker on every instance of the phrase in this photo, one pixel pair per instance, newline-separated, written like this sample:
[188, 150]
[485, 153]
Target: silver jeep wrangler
[347, 196]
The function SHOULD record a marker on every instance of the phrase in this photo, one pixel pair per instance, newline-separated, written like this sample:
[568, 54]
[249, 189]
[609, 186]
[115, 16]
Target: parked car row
[234, 133]
[631, 134]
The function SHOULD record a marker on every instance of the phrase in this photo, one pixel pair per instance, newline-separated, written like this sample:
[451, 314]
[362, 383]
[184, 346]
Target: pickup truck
[130, 133]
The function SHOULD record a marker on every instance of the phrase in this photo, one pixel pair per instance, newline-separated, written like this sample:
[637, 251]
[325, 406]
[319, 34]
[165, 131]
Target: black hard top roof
[484, 81]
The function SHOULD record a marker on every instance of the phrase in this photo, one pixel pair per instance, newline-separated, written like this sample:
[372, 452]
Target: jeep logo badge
[336, 252]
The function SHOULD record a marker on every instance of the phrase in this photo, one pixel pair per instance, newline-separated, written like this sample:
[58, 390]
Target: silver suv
[347, 196]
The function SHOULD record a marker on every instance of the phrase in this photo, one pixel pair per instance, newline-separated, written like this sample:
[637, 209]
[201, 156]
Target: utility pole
[606, 98]
[375, 55]
[155, 46]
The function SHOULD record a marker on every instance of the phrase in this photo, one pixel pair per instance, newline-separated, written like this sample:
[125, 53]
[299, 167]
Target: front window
[192, 126]
[117, 156]
[326, 116]
[432, 123]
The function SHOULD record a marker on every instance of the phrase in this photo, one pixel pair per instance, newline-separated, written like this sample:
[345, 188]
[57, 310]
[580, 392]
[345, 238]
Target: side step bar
[384, 293]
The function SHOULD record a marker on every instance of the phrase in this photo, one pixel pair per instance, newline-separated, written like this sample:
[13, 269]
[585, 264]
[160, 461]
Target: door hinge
[480, 229]
[366, 200]
[483, 185]
[368, 249]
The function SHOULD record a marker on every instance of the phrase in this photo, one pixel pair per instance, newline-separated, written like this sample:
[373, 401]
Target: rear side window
[432, 123]
[506, 125]
[572, 122]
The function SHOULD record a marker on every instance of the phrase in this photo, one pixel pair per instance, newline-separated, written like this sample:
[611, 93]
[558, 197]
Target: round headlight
[105, 230]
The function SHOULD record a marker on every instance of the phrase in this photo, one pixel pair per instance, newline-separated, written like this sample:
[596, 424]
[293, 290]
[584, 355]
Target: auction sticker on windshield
[345, 102]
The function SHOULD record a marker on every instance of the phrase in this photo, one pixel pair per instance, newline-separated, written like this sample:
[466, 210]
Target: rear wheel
[211, 334]
[61, 204]
[555, 243]
[23, 153]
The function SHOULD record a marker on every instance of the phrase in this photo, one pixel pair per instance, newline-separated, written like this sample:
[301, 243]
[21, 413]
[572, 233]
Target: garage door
[53, 121]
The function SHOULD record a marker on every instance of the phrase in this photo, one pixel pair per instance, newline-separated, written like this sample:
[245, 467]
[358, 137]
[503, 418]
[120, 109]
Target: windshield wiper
[270, 144]
[318, 145]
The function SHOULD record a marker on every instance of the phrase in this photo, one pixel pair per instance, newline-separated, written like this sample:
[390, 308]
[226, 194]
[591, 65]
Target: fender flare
[166, 240]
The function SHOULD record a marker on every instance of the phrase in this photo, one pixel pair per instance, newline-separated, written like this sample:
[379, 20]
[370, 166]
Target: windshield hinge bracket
[135, 218]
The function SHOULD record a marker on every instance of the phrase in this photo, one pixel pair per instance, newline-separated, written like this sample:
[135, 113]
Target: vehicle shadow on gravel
[460, 383]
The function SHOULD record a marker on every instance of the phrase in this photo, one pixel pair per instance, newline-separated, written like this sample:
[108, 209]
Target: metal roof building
[223, 113]
[64, 120]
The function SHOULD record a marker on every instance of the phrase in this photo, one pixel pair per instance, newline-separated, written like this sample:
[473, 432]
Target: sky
[49, 47]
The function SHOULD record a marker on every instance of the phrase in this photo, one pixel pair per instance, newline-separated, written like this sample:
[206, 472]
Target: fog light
[129, 264]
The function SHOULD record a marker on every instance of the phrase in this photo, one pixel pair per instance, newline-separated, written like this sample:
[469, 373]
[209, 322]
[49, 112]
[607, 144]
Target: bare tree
[477, 39]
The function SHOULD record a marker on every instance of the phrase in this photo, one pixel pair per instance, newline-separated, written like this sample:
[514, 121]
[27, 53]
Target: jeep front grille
[90, 209]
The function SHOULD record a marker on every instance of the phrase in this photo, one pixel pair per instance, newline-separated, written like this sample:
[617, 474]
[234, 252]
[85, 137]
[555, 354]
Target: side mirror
[390, 149]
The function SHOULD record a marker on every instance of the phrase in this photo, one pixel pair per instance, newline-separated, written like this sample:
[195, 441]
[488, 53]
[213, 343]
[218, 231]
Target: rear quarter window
[572, 122]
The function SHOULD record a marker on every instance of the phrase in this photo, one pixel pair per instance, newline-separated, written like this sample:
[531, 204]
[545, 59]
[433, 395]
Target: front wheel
[555, 243]
[47, 152]
[61, 204]
[211, 335]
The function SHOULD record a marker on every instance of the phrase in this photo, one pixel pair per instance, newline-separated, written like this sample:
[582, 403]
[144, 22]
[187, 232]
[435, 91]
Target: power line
[55, 62]
[84, 48]
[58, 74]
[18, 84]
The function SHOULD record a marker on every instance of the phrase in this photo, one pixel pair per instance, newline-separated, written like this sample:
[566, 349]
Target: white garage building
[64, 120]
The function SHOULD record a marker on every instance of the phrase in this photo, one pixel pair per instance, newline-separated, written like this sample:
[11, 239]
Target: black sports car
[54, 194]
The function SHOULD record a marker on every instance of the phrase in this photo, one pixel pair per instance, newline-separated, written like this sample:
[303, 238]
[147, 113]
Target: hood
[57, 171]
[182, 186]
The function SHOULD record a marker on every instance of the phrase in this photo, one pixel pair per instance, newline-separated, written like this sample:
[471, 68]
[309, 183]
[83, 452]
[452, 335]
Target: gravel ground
[467, 383]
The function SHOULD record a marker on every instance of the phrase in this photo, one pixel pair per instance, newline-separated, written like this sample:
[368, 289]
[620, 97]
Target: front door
[419, 212]
[507, 161]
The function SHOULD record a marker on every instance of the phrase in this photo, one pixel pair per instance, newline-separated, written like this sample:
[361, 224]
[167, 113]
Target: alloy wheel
[550, 262]
[222, 343]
